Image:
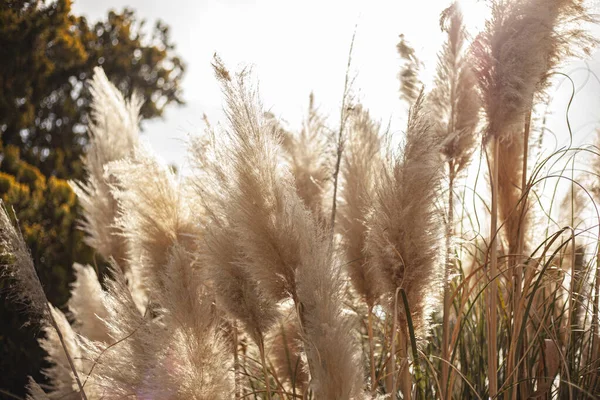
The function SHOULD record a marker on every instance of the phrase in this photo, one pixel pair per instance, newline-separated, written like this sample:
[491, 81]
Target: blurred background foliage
[47, 56]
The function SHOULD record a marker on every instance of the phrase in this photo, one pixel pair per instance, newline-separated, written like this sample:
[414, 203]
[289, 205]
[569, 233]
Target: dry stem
[447, 293]
[340, 141]
[261, 348]
[492, 287]
[371, 350]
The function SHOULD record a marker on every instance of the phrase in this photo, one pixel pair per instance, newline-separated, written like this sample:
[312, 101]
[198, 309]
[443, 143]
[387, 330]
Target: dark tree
[47, 54]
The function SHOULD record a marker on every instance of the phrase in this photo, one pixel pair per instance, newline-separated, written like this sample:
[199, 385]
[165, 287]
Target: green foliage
[48, 54]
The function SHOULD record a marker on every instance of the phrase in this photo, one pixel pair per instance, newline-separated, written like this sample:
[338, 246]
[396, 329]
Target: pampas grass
[324, 263]
[455, 102]
[311, 160]
[110, 114]
[403, 230]
[86, 304]
[64, 385]
[515, 55]
[18, 266]
[361, 165]
[284, 247]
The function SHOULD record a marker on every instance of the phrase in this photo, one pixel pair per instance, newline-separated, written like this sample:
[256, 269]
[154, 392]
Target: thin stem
[371, 349]
[393, 351]
[447, 293]
[261, 348]
[67, 354]
[405, 378]
[236, 363]
[595, 352]
[340, 138]
[514, 352]
[521, 244]
[492, 287]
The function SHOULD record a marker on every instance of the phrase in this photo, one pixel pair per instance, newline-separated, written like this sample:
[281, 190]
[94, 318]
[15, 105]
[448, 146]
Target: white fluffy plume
[86, 304]
[113, 136]
[283, 246]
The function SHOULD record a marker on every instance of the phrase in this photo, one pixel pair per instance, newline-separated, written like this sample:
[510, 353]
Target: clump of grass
[239, 281]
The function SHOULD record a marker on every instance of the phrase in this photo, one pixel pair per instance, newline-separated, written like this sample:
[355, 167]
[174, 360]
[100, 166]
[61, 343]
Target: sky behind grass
[302, 46]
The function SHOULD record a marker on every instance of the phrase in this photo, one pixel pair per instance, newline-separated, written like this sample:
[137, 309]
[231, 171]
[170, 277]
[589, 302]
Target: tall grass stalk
[492, 288]
[344, 115]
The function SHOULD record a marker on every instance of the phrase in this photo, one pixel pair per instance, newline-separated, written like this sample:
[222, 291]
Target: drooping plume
[521, 46]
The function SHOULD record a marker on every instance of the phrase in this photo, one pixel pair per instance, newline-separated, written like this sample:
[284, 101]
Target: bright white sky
[302, 46]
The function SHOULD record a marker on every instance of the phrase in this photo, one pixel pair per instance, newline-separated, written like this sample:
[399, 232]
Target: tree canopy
[48, 54]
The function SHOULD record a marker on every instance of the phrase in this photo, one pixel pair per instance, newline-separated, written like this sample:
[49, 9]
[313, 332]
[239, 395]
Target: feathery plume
[519, 49]
[311, 159]
[514, 56]
[259, 202]
[113, 136]
[287, 355]
[454, 101]
[60, 375]
[173, 356]
[120, 367]
[403, 229]
[285, 248]
[17, 265]
[156, 218]
[235, 290]
[197, 351]
[331, 349]
[35, 392]
[360, 167]
[86, 304]
[153, 214]
[237, 293]
[455, 105]
[410, 84]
